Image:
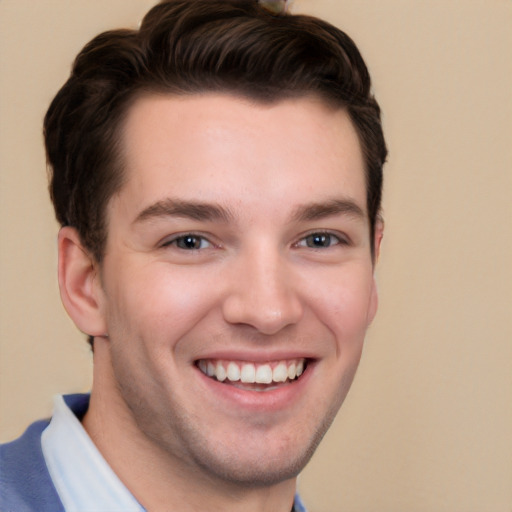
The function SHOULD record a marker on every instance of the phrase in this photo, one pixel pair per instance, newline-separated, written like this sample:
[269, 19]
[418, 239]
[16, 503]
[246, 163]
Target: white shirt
[83, 479]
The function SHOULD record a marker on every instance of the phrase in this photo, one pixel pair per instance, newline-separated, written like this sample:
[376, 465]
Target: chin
[262, 470]
[264, 463]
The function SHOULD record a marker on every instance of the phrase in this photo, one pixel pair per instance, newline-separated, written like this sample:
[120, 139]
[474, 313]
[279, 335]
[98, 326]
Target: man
[217, 175]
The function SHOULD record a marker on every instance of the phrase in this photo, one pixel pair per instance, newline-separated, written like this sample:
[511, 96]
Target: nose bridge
[262, 292]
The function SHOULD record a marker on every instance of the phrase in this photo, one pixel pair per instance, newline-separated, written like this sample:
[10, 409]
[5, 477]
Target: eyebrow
[187, 209]
[318, 211]
[209, 212]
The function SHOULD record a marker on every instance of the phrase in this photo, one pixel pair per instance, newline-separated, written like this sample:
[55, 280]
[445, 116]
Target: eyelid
[342, 239]
[171, 240]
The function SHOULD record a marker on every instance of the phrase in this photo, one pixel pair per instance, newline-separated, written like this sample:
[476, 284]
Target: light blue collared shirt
[81, 476]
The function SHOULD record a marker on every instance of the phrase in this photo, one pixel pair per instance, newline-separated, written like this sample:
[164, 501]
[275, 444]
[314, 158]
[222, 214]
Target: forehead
[218, 147]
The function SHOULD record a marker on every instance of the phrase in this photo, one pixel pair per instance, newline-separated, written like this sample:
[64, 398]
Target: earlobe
[79, 283]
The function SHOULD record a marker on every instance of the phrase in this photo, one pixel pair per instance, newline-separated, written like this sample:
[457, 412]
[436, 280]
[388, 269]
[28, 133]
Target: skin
[280, 267]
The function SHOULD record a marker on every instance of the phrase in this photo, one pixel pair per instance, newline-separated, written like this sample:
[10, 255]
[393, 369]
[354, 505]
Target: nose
[262, 293]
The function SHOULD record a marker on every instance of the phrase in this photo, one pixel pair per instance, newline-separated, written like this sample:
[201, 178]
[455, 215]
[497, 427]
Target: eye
[189, 242]
[320, 241]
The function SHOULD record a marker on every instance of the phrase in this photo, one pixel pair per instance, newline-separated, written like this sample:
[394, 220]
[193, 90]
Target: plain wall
[427, 425]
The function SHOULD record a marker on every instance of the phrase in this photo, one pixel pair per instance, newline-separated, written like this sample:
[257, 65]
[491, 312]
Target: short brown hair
[188, 47]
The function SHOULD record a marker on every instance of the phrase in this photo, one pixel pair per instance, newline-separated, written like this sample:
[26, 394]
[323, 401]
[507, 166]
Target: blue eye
[189, 242]
[320, 240]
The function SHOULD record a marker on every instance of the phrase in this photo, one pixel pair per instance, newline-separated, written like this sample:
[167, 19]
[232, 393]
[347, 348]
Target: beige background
[428, 423]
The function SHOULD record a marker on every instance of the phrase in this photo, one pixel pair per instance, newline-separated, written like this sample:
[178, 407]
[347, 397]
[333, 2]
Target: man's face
[237, 283]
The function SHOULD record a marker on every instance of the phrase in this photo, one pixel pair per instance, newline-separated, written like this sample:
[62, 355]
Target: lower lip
[273, 399]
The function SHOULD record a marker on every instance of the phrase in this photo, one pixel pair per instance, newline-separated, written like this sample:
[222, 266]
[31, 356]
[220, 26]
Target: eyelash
[176, 240]
[332, 237]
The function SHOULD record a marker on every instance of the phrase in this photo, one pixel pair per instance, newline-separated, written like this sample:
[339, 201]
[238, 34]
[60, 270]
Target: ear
[79, 283]
[377, 239]
[374, 295]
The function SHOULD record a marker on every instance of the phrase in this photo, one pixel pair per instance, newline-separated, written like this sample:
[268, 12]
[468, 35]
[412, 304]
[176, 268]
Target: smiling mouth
[253, 376]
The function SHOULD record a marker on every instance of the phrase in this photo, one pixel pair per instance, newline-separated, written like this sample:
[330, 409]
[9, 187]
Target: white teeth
[248, 373]
[292, 371]
[233, 372]
[280, 373]
[264, 374]
[220, 373]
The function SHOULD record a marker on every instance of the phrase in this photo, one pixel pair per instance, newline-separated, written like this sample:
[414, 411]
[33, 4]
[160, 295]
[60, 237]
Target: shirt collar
[81, 476]
[298, 506]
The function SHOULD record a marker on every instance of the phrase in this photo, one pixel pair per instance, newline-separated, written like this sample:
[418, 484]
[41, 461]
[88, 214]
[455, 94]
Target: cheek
[344, 304]
[158, 303]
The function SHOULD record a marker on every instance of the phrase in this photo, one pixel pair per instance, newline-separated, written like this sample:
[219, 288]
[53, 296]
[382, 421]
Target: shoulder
[25, 484]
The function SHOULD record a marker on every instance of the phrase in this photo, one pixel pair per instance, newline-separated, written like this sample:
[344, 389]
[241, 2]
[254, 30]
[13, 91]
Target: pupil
[190, 242]
[320, 240]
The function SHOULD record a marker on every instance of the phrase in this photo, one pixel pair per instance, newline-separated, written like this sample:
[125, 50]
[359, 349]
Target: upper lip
[261, 356]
